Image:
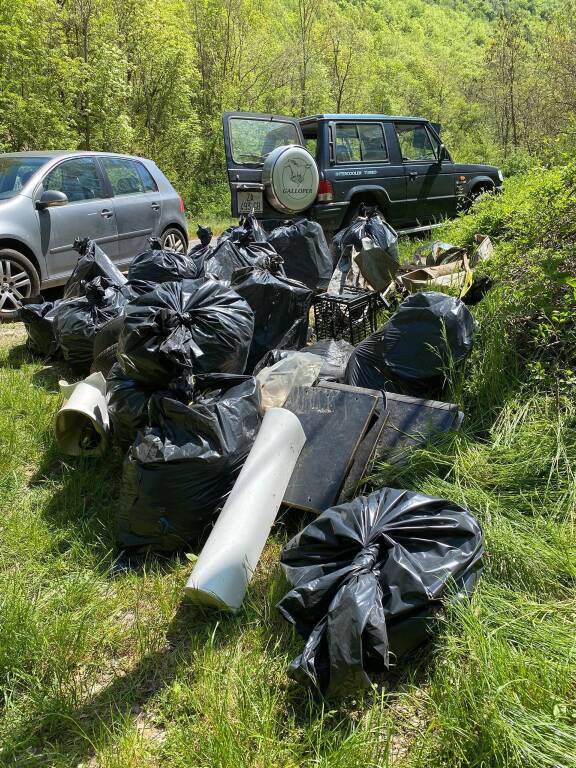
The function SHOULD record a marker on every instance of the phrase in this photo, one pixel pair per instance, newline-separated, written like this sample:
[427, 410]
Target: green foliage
[153, 77]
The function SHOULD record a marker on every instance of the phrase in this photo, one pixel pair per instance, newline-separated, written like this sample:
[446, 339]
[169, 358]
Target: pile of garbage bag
[77, 321]
[200, 326]
[427, 336]
[38, 320]
[280, 305]
[180, 469]
[238, 247]
[305, 252]
[370, 245]
[366, 579]
[159, 266]
[93, 263]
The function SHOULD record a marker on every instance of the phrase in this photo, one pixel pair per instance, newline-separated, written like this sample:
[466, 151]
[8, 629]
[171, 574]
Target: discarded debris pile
[202, 377]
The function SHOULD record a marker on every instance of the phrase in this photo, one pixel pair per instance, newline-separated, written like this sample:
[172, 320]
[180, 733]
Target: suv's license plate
[249, 201]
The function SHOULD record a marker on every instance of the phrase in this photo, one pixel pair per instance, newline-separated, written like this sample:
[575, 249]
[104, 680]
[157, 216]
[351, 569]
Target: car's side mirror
[443, 153]
[51, 198]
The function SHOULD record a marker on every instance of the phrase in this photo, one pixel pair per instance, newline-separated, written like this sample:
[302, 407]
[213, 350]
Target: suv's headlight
[500, 175]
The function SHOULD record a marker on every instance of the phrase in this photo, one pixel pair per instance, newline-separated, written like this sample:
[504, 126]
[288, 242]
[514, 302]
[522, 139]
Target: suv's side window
[360, 143]
[415, 142]
[127, 177]
[77, 178]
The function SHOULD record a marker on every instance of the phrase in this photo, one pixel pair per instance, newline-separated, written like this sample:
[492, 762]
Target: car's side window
[126, 177]
[415, 142]
[360, 143]
[77, 178]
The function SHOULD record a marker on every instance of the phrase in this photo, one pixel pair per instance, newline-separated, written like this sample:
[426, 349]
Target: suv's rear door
[248, 138]
[430, 182]
[137, 202]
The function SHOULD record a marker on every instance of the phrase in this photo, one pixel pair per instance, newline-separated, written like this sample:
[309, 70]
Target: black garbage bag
[160, 266]
[200, 252]
[367, 578]
[380, 262]
[412, 353]
[306, 254]
[38, 320]
[127, 406]
[247, 229]
[180, 469]
[281, 307]
[77, 321]
[477, 291]
[200, 326]
[236, 252]
[93, 262]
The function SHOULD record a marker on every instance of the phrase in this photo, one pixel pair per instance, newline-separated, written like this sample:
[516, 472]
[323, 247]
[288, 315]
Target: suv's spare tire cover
[290, 178]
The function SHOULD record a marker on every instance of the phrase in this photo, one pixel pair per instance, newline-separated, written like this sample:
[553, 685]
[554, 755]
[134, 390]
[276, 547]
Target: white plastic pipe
[229, 558]
[82, 424]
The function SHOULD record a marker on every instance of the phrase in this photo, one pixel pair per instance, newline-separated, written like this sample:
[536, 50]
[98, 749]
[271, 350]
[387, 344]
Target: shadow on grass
[49, 375]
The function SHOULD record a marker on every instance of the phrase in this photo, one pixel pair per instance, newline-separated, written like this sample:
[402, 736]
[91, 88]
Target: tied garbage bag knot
[365, 561]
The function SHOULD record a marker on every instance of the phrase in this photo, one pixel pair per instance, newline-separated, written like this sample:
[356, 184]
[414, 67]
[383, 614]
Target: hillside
[153, 77]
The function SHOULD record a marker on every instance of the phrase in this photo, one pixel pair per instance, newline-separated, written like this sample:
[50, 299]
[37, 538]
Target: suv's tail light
[325, 191]
[182, 208]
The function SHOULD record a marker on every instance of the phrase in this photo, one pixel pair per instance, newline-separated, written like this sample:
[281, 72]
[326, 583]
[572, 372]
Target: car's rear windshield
[15, 172]
[252, 140]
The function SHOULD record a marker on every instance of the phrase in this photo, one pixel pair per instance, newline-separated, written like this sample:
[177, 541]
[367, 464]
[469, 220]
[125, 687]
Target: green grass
[117, 672]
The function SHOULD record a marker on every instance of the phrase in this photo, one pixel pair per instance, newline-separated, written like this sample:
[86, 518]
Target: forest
[152, 77]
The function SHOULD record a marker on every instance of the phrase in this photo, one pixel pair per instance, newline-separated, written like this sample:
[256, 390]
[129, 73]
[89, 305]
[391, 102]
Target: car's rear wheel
[174, 240]
[18, 280]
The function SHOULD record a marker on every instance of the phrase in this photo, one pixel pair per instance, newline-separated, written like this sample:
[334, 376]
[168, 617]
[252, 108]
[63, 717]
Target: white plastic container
[229, 558]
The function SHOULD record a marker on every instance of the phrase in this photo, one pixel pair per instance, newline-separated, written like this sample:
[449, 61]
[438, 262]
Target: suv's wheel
[174, 240]
[18, 280]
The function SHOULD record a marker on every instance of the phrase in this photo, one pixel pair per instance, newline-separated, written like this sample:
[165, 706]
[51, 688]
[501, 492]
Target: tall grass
[99, 668]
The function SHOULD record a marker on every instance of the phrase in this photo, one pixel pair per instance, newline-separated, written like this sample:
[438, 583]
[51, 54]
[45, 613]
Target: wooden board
[412, 423]
[335, 418]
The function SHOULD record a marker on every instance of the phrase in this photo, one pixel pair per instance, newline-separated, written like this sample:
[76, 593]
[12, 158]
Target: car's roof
[52, 153]
[347, 116]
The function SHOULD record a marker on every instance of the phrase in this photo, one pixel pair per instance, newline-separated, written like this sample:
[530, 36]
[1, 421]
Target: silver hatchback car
[48, 199]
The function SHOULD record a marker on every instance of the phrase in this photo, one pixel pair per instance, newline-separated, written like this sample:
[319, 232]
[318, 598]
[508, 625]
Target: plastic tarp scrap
[127, 406]
[181, 468]
[161, 266]
[367, 577]
[38, 320]
[303, 247]
[201, 326]
[412, 353]
[335, 356]
[77, 321]
[82, 423]
[295, 369]
[281, 307]
[93, 262]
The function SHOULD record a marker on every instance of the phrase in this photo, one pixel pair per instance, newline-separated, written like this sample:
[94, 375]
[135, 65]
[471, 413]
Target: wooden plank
[412, 423]
[365, 455]
[334, 420]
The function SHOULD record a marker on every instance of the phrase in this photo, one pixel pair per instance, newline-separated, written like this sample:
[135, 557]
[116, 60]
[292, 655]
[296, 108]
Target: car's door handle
[106, 213]
[155, 206]
[413, 175]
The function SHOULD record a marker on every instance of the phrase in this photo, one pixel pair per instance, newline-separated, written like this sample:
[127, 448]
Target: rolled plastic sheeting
[82, 425]
[230, 556]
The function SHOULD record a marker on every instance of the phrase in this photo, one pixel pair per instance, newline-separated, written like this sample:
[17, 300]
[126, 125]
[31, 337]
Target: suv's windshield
[15, 172]
[252, 140]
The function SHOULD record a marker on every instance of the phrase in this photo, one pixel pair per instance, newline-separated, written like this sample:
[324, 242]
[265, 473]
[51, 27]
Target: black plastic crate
[350, 315]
